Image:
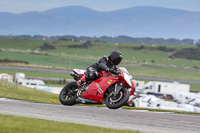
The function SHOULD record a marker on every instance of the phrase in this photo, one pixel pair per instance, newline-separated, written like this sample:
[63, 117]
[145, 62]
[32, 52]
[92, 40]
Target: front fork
[118, 87]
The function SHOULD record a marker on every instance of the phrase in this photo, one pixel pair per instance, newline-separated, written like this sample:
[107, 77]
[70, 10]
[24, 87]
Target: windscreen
[125, 71]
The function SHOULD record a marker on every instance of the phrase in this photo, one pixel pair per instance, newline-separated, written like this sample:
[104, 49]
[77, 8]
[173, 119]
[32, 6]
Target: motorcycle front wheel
[68, 94]
[116, 101]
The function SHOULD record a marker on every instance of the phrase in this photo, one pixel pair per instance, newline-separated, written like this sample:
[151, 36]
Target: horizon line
[98, 10]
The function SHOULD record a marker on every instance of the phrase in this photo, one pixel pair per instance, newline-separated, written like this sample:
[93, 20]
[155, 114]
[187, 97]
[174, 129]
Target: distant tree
[187, 41]
[196, 67]
[139, 48]
[152, 61]
[198, 45]
[87, 44]
[162, 48]
[117, 39]
[12, 61]
[188, 53]
[165, 49]
[47, 46]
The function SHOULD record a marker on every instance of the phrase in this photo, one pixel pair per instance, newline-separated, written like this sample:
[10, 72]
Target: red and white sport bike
[112, 90]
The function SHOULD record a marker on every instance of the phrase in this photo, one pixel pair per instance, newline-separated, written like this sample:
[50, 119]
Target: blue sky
[19, 6]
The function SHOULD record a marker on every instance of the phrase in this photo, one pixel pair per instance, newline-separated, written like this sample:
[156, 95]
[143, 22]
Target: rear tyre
[68, 94]
[115, 102]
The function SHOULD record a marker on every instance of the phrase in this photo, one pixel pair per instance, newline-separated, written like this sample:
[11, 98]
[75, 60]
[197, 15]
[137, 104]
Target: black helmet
[115, 57]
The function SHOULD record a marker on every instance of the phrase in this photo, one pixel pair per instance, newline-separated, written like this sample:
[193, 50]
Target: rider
[106, 63]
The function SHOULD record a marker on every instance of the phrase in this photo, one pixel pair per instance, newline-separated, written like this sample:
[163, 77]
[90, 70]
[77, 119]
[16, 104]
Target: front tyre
[68, 94]
[116, 101]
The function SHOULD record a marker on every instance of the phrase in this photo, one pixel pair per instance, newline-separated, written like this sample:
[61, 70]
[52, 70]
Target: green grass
[55, 61]
[16, 124]
[98, 50]
[20, 44]
[195, 87]
[37, 74]
[181, 63]
[84, 63]
[30, 44]
[168, 73]
[25, 93]
[70, 58]
[97, 53]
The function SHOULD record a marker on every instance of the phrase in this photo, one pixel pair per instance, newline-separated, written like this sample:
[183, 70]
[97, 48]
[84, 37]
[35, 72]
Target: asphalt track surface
[67, 72]
[144, 121]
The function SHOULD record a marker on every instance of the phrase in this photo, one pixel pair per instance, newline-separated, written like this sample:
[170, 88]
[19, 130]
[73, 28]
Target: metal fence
[5, 82]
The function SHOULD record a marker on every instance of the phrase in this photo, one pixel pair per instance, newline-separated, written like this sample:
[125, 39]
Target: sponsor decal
[109, 81]
[99, 88]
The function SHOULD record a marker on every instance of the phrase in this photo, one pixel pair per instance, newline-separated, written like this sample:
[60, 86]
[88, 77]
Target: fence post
[16, 83]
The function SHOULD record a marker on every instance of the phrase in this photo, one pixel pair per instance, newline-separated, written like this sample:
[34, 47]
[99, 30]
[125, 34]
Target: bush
[13, 61]
[84, 45]
[139, 48]
[165, 49]
[188, 53]
[47, 46]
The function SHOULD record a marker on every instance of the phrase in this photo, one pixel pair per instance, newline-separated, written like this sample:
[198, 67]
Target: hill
[77, 20]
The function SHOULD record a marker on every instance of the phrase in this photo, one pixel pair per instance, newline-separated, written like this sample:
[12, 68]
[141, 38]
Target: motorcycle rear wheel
[115, 102]
[68, 94]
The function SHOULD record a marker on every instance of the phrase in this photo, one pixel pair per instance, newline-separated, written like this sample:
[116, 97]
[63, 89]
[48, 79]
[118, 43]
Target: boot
[81, 81]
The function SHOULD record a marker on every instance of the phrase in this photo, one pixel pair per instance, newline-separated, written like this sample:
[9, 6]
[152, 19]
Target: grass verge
[160, 110]
[25, 93]
[15, 124]
[37, 74]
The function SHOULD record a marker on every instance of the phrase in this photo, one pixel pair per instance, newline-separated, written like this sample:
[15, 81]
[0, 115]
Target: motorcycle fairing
[80, 72]
[98, 87]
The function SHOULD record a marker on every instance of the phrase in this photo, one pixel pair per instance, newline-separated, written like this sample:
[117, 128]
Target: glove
[116, 72]
[112, 71]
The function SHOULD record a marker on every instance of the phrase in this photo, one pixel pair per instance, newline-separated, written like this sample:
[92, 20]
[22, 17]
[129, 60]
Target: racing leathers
[92, 72]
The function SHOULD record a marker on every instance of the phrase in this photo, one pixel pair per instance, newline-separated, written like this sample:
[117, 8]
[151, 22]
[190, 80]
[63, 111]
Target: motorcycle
[109, 89]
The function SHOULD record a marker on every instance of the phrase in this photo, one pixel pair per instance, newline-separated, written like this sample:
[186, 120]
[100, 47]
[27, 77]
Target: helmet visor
[116, 61]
